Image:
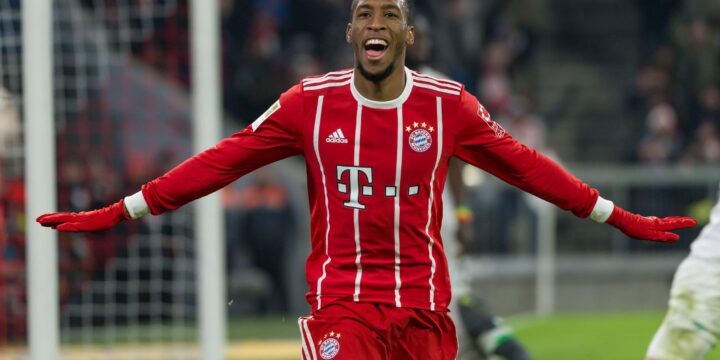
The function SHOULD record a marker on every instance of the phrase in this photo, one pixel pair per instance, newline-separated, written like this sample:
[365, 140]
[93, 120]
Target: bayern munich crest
[330, 346]
[420, 138]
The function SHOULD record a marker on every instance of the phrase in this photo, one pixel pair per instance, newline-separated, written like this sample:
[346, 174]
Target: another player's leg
[674, 341]
[489, 334]
[692, 325]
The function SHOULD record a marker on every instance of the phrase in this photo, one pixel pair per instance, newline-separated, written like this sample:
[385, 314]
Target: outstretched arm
[198, 176]
[272, 137]
[485, 144]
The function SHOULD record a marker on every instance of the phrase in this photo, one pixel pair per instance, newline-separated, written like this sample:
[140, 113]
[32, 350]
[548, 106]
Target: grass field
[612, 336]
[600, 336]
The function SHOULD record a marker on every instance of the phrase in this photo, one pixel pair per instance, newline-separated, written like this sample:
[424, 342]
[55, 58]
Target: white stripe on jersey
[310, 339]
[327, 85]
[435, 88]
[398, 173]
[303, 339]
[316, 136]
[356, 212]
[429, 80]
[326, 78]
[440, 80]
[431, 241]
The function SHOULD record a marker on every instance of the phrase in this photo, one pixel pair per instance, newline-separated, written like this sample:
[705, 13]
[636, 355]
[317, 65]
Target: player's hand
[96, 220]
[648, 227]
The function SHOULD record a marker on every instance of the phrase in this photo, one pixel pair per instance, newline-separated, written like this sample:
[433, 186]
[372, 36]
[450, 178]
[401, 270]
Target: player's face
[379, 34]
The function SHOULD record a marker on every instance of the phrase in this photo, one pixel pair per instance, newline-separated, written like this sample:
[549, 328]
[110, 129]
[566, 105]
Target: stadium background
[625, 93]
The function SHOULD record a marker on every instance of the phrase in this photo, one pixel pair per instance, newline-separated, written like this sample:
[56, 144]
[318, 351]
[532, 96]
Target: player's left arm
[485, 144]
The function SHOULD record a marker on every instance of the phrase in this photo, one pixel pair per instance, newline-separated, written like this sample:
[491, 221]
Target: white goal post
[43, 320]
[209, 217]
[39, 64]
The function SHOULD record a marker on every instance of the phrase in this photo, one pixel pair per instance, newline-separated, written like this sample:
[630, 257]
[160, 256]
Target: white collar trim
[384, 104]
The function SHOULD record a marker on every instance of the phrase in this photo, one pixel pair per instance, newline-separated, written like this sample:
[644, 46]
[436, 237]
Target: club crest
[330, 346]
[420, 138]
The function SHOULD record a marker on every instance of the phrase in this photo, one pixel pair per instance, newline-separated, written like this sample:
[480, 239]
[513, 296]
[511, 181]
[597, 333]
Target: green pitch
[602, 336]
[599, 336]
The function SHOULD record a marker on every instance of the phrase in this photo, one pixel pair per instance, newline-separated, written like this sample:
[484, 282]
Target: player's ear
[410, 36]
[348, 33]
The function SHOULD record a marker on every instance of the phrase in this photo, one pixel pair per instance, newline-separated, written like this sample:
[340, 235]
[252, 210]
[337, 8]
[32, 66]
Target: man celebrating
[377, 140]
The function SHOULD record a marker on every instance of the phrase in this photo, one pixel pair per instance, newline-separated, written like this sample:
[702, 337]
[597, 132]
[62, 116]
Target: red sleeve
[485, 144]
[273, 136]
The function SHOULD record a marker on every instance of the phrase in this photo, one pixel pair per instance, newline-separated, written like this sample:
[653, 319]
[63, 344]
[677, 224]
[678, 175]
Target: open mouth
[375, 48]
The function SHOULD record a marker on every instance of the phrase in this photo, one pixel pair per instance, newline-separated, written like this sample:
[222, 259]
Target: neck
[387, 89]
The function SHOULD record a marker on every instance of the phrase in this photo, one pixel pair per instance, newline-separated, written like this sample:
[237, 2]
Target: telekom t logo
[354, 177]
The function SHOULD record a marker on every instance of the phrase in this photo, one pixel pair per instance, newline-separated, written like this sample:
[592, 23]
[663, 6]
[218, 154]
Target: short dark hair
[405, 5]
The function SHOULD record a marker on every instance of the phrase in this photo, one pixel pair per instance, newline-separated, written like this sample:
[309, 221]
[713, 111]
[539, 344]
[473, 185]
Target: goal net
[122, 116]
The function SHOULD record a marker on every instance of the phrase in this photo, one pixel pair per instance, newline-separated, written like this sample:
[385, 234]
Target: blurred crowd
[676, 92]
[269, 46]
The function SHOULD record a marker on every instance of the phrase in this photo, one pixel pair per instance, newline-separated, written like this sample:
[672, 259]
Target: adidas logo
[337, 137]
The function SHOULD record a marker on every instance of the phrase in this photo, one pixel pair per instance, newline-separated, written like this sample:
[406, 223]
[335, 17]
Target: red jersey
[375, 171]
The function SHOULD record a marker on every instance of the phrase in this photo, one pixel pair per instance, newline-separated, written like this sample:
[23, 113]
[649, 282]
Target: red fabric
[375, 331]
[648, 227]
[368, 244]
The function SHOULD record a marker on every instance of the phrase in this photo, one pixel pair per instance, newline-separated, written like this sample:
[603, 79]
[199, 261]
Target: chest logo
[420, 138]
[337, 137]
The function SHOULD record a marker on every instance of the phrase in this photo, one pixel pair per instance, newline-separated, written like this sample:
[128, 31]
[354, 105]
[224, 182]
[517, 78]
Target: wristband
[602, 210]
[136, 205]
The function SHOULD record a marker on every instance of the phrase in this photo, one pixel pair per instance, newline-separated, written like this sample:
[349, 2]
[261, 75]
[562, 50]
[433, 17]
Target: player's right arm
[273, 136]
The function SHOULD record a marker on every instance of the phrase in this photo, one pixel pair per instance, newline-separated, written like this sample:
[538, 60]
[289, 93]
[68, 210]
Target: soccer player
[376, 140]
[692, 325]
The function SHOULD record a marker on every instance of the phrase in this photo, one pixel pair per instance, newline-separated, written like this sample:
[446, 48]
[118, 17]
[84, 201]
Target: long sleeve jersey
[376, 172]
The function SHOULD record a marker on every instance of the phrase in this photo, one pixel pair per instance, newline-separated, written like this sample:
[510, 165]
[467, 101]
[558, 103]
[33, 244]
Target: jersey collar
[383, 104]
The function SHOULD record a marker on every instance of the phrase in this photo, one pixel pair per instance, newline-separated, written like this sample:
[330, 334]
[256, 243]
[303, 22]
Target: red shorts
[359, 331]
